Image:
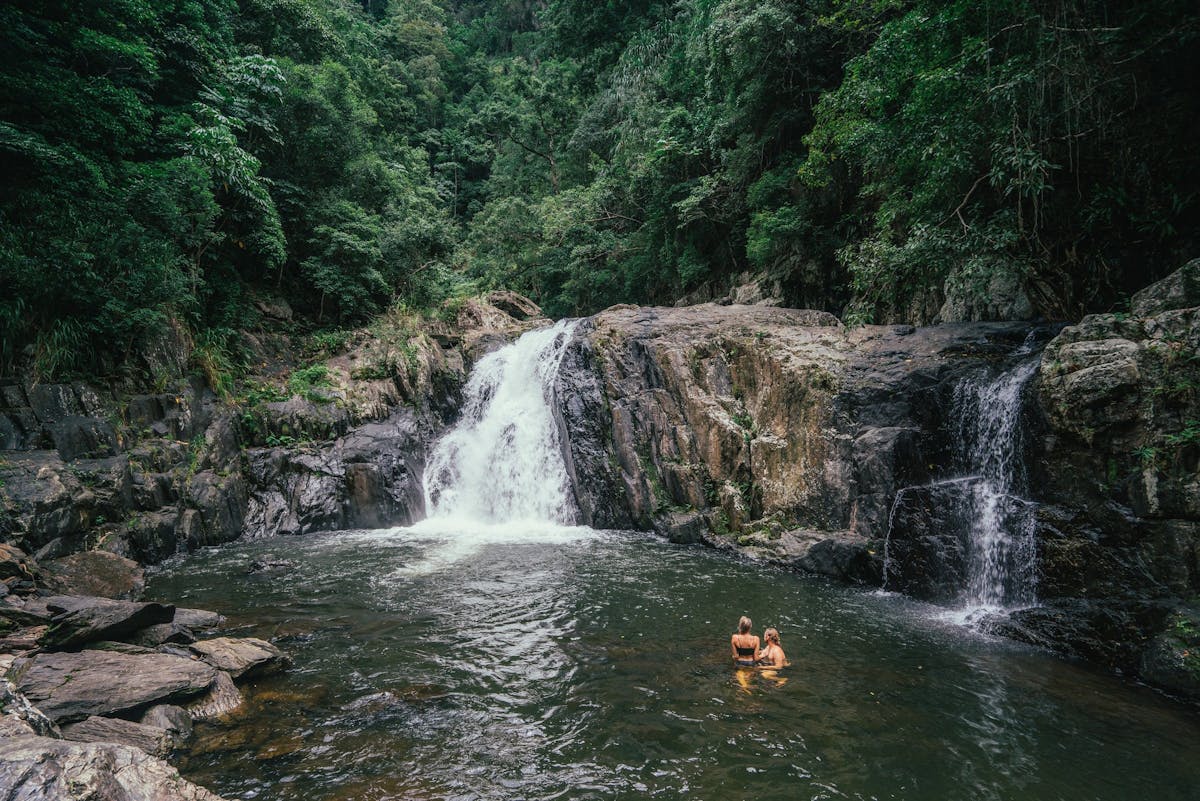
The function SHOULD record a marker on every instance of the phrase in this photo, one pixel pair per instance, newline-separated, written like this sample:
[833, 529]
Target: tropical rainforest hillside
[168, 162]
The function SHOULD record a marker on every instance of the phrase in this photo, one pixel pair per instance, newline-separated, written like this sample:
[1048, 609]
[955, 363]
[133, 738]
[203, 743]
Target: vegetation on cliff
[880, 159]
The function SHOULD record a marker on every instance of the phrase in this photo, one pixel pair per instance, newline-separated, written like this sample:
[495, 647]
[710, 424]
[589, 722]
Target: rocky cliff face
[776, 431]
[85, 468]
[1118, 472]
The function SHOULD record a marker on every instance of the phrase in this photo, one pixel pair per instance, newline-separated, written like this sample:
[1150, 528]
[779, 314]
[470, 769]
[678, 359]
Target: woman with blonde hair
[744, 644]
[772, 656]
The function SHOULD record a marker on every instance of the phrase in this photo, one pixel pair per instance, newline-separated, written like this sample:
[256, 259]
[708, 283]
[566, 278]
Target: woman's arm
[733, 645]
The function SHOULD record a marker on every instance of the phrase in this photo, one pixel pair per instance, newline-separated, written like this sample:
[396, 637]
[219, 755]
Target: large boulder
[153, 740]
[241, 657]
[82, 619]
[74, 686]
[39, 768]
[95, 573]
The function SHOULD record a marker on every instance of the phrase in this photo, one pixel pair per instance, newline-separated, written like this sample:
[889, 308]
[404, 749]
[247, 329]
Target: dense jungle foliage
[166, 161]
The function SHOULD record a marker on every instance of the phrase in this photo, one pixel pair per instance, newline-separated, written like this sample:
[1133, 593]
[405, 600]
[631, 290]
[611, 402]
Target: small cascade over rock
[969, 539]
[1001, 546]
[503, 460]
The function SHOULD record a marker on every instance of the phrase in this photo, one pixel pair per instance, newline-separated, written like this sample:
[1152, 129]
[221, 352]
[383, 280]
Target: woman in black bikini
[745, 645]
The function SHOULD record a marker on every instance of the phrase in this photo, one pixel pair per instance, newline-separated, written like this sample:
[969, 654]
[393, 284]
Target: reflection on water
[555, 663]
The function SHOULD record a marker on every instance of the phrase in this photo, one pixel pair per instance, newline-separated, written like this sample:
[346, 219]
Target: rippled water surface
[543, 663]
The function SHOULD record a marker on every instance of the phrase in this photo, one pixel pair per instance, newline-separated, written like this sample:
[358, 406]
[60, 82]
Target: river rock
[221, 699]
[241, 657]
[18, 716]
[198, 619]
[161, 634]
[174, 719]
[151, 739]
[82, 619]
[1180, 290]
[15, 563]
[39, 768]
[73, 686]
[96, 573]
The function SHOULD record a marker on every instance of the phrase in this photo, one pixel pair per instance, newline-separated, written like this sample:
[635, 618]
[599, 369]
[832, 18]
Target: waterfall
[1001, 546]
[970, 538]
[503, 461]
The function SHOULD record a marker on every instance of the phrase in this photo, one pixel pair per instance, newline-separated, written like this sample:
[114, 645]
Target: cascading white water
[1001, 546]
[503, 461]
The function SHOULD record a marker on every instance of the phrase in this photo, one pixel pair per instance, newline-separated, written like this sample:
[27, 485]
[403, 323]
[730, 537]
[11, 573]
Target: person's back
[744, 644]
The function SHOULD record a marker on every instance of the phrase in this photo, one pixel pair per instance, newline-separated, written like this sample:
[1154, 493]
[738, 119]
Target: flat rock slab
[40, 768]
[241, 657]
[97, 573]
[151, 739]
[73, 686]
[82, 619]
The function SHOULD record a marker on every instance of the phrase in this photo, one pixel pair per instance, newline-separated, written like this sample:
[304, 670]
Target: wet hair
[772, 635]
[744, 625]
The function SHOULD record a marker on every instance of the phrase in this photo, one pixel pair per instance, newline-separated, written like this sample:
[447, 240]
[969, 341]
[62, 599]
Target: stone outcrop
[73, 686]
[1117, 469]
[241, 657]
[776, 431]
[34, 768]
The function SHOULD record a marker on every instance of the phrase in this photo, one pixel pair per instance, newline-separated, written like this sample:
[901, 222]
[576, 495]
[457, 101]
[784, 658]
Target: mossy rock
[1172, 660]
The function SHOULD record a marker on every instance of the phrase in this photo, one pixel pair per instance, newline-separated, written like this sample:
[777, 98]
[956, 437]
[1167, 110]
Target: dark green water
[584, 665]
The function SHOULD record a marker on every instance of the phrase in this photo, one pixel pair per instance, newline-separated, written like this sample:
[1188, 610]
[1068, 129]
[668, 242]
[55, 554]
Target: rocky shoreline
[100, 690]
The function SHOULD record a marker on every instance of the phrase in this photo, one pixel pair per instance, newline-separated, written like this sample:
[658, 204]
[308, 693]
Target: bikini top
[745, 651]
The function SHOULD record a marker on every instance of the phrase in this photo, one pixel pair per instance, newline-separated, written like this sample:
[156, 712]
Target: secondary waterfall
[969, 538]
[1001, 545]
[503, 460]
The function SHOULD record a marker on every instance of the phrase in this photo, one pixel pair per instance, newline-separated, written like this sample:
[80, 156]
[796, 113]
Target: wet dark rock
[83, 437]
[95, 573]
[82, 619]
[1172, 659]
[151, 739]
[154, 536]
[73, 686]
[243, 657]
[174, 719]
[1109, 633]
[162, 634]
[36, 768]
[268, 564]
[368, 478]
[220, 503]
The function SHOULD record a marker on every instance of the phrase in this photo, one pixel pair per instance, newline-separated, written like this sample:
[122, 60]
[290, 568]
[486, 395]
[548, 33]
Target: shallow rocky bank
[99, 691]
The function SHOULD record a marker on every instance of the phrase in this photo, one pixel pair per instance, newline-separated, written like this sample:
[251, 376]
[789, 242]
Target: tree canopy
[887, 160]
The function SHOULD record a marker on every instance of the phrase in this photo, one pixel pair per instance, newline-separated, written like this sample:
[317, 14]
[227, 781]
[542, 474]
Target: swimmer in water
[744, 644]
[772, 656]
